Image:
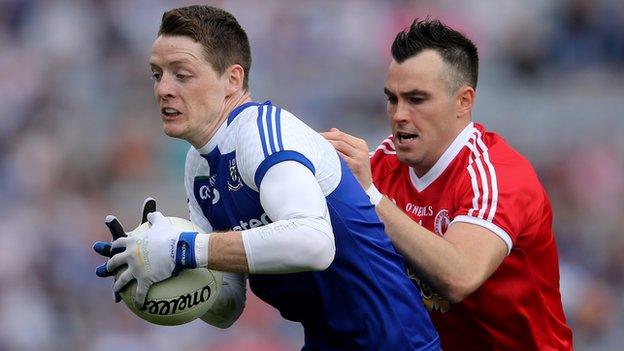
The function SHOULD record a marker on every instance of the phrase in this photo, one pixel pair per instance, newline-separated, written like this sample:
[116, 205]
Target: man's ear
[465, 100]
[235, 75]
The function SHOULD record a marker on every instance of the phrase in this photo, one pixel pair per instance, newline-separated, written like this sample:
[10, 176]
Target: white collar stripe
[445, 160]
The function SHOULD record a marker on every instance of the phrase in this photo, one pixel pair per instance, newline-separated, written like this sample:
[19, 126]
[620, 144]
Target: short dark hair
[456, 50]
[224, 41]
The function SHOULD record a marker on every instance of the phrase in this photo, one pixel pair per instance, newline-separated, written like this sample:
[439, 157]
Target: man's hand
[117, 231]
[355, 153]
[151, 256]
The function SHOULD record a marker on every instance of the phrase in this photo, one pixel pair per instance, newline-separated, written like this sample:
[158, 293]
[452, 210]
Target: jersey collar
[235, 112]
[214, 141]
[447, 157]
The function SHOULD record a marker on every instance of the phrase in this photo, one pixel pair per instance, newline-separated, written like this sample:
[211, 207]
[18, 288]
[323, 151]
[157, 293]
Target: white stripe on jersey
[274, 128]
[265, 127]
[492, 171]
[475, 188]
[387, 146]
[479, 155]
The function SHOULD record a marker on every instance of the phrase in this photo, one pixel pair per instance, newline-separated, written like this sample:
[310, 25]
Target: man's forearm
[285, 246]
[221, 251]
[434, 259]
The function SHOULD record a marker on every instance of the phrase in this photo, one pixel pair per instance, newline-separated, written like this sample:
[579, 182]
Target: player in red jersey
[465, 209]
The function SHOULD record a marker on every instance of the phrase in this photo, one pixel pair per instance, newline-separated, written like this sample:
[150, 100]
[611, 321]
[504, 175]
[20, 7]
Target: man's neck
[229, 104]
[421, 170]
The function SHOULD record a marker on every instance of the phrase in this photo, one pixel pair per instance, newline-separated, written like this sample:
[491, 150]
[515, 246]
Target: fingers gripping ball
[179, 299]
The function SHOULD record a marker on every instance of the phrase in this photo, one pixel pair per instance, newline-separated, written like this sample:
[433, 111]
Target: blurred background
[80, 138]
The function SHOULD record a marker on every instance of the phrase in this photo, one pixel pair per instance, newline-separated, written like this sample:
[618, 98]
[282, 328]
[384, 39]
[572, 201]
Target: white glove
[151, 256]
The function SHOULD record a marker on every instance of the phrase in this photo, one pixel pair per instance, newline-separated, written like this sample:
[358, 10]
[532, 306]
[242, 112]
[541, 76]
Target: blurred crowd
[80, 138]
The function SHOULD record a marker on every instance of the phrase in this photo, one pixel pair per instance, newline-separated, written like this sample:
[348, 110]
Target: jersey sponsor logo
[234, 182]
[441, 222]
[207, 190]
[252, 223]
[432, 300]
[421, 211]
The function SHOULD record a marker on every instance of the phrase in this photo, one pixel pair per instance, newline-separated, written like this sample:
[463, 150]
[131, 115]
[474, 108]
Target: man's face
[189, 93]
[423, 115]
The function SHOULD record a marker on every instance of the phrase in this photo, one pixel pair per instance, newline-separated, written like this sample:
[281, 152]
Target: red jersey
[481, 180]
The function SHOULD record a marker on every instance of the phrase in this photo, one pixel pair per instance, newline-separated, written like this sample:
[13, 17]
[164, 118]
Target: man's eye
[416, 100]
[156, 76]
[182, 77]
[391, 99]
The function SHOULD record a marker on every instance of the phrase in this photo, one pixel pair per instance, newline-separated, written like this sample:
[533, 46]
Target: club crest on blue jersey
[234, 182]
[204, 187]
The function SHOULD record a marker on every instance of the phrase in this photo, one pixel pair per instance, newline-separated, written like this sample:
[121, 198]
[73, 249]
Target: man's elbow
[322, 255]
[458, 289]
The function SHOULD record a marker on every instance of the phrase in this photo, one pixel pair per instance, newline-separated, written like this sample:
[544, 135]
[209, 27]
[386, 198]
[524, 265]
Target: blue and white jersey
[363, 300]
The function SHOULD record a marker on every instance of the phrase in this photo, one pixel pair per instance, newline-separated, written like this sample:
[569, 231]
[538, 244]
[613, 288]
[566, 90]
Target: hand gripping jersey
[363, 300]
[480, 179]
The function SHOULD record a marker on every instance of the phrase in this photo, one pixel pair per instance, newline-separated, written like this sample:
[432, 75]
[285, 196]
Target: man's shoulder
[264, 122]
[254, 112]
[499, 151]
[508, 165]
[384, 160]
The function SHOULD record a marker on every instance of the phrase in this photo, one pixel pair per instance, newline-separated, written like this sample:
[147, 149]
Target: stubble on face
[423, 113]
[186, 85]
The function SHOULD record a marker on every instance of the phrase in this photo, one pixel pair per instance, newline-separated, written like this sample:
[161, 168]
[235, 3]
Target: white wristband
[202, 242]
[374, 194]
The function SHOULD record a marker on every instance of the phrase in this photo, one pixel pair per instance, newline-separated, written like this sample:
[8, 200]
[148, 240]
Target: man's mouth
[170, 112]
[402, 137]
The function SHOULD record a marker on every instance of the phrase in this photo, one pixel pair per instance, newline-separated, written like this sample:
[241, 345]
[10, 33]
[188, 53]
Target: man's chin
[173, 131]
[407, 158]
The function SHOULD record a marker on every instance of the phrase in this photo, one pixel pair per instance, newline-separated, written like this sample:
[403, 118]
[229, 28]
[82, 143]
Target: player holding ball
[275, 203]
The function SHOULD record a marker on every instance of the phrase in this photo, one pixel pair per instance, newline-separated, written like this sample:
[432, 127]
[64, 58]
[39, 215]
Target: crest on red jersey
[441, 222]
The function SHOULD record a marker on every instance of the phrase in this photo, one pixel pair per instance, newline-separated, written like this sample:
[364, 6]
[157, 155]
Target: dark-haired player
[465, 209]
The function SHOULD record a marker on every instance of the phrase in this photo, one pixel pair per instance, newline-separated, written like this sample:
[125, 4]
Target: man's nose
[401, 113]
[165, 88]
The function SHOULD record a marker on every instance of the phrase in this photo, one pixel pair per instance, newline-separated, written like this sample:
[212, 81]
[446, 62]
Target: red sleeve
[500, 192]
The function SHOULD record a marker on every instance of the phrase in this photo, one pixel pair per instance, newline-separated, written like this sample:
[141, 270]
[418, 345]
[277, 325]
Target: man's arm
[455, 264]
[299, 239]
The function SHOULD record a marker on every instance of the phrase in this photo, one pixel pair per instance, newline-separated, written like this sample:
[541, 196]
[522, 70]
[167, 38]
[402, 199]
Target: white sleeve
[300, 237]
